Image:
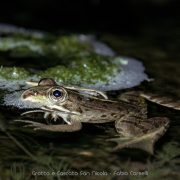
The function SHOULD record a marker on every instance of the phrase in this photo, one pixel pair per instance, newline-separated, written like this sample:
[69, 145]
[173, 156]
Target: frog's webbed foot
[54, 112]
[142, 135]
[145, 142]
[75, 126]
[122, 142]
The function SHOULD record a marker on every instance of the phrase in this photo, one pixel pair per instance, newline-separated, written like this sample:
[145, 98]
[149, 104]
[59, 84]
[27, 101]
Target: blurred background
[123, 17]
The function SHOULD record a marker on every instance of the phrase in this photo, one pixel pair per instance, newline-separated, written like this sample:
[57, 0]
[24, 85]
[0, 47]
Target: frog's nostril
[26, 94]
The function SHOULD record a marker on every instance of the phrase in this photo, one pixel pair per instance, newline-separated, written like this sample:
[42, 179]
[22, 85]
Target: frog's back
[95, 110]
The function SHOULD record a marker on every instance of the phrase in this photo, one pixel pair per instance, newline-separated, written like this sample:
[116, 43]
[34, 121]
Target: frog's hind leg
[138, 133]
[161, 100]
[132, 97]
[75, 126]
[135, 99]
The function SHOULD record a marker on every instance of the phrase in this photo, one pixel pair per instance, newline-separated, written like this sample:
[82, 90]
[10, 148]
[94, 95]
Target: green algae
[87, 69]
[72, 61]
[21, 47]
[90, 69]
[49, 47]
[65, 46]
[13, 73]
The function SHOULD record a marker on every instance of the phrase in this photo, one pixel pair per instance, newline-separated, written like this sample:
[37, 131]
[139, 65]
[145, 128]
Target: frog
[78, 105]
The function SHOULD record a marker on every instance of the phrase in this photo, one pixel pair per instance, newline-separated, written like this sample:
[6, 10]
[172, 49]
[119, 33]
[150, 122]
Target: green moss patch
[64, 58]
[13, 73]
[87, 69]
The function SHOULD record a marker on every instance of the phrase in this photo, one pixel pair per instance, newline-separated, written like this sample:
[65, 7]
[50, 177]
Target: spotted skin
[78, 106]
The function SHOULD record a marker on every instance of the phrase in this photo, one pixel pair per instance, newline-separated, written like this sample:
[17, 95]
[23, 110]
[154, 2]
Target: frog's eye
[57, 94]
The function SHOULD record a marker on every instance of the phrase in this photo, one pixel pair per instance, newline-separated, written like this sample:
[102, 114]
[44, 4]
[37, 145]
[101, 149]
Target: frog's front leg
[138, 133]
[74, 126]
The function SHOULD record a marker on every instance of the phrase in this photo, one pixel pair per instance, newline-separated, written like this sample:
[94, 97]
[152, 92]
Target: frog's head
[46, 93]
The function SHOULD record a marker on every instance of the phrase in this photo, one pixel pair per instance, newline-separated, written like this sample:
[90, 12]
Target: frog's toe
[118, 139]
[122, 142]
